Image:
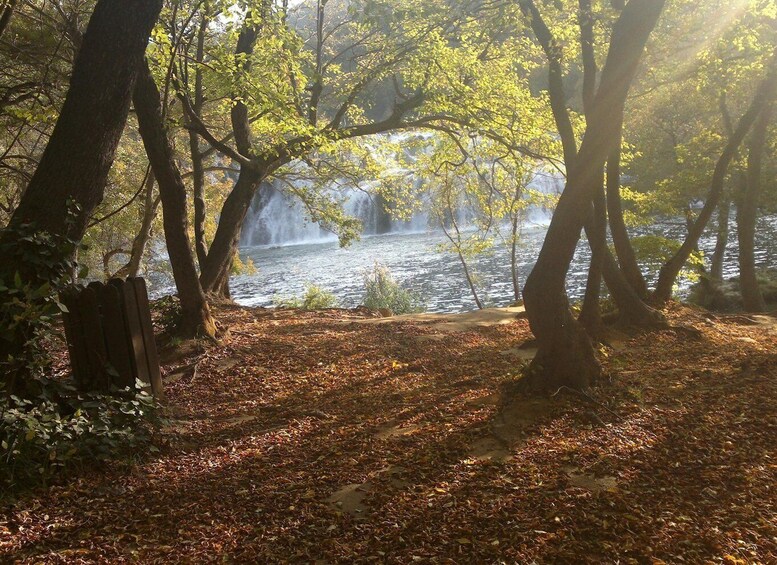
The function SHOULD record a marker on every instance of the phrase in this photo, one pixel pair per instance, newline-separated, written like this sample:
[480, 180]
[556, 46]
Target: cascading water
[277, 218]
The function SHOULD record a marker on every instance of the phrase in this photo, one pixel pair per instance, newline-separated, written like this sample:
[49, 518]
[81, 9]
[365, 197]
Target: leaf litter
[313, 438]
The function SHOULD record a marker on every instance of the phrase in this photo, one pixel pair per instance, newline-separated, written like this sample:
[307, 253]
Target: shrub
[60, 429]
[315, 298]
[29, 303]
[383, 292]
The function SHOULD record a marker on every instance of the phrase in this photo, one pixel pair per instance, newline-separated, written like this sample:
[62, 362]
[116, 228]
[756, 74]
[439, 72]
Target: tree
[672, 267]
[631, 309]
[195, 313]
[747, 210]
[74, 167]
[70, 179]
[293, 94]
[565, 354]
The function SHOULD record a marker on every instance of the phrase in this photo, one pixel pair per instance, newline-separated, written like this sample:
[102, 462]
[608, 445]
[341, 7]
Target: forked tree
[565, 354]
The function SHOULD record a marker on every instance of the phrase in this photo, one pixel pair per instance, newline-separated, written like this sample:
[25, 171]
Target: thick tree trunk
[671, 268]
[721, 243]
[196, 319]
[74, 167]
[73, 170]
[565, 355]
[150, 206]
[225, 242]
[747, 212]
[620, 235]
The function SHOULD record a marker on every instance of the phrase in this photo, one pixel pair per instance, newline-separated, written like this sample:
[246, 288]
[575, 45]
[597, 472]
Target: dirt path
[315, 438]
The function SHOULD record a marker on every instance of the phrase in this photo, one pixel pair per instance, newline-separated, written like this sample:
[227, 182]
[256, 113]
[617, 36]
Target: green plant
[169, 310]
[315, 298]
[383, 292]
[35, 266]
[60, 428]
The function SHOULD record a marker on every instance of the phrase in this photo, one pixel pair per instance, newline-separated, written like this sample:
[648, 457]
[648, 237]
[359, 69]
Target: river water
[414, 261]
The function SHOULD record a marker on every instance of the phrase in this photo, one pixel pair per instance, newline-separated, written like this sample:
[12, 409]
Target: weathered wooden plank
[144, 315]
[97, 356]
[116, 340]
[74, 335]
[134, 331]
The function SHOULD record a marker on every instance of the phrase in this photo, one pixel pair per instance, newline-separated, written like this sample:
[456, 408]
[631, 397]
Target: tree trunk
[196, 319]
[514, 257]
[74, 167]
[716, 268]
[565, 355]
[225, 242]
[150, 206]
[5, 14]
[620, 235]
[70, 179]
[591, 313]
[747, 212]
[671, 268]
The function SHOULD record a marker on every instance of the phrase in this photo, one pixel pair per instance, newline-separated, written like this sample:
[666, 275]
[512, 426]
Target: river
[413, 260]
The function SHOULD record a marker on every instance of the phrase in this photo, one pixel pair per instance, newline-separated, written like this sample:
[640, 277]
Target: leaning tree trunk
[73, 170]
[565, 355]
[671, 268]
[70, 179]
[5, 14]
[222, 251]
[627, 259]
[721, 242]
[747, 212]
[195, 313]
[198, 170]
[591, 313]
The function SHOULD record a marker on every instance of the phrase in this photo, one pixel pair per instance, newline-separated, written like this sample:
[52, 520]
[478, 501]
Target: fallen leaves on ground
[313, 438]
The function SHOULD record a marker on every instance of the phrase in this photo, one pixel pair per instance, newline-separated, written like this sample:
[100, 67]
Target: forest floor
[327, 437]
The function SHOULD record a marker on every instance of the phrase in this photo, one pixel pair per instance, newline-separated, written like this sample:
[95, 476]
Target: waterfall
[276, 218]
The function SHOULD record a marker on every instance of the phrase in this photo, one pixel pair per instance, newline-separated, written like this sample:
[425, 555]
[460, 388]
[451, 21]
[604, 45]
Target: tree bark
[74, 167]
[565, 354]
[225, 242]
[721, 242]
[5, 15]
[196, 319]
[591, 313]
[620, 235]
[671, 268]
[747, 213]
[70, 179]
[553, 52]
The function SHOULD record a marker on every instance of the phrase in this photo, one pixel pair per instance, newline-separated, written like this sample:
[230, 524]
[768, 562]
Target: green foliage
[315, 298]
[60, 429]
[28, 299]
[655, 250]
[170, 315]
[383, 292]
